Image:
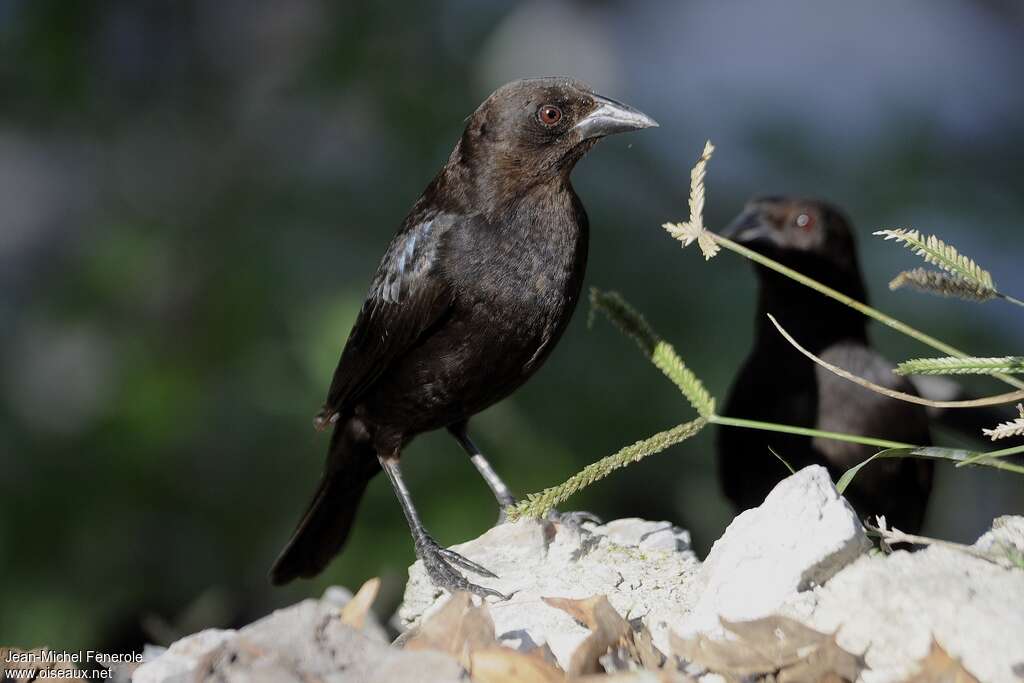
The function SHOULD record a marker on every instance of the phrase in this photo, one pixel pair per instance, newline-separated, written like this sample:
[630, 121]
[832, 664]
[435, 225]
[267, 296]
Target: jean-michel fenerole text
[47, 656]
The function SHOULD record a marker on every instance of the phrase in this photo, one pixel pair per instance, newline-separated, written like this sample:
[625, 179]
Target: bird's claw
[465, 563]
[438, 562]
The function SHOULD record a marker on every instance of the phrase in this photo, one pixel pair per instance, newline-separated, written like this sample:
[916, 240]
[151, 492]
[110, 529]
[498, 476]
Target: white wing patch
[409, 257]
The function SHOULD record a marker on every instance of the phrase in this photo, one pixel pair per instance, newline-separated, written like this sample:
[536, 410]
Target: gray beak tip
[610, 117]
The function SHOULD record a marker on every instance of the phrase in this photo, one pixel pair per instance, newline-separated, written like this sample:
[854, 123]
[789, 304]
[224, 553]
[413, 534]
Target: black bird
[778, 384]
[470, 298]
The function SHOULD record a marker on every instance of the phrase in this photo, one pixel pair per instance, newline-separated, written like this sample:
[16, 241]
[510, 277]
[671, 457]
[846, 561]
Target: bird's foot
[464, 562]
[438, 562]
[574, 518]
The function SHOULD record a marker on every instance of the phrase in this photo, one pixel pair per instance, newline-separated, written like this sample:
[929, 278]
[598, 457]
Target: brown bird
[468, 302]
[778, 384]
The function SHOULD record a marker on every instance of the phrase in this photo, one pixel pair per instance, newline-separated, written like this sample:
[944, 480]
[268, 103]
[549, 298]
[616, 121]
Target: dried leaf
[780, 640]
[662, 676]
[354, 612]
[644, 651]
[606, 625]
[787, 649]
[458, 628]
[545, 653]
[939, 667]
[633, 652]
[827, 662]
[617, 660]
[725, 657]
[498, 664]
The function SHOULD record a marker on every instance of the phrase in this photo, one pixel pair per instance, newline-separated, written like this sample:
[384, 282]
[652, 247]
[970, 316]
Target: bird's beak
[610, 117]
[751, 229]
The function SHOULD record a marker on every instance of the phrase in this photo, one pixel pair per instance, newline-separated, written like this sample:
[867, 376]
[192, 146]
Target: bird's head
[539, 128]
[797, 232]
[814, 238]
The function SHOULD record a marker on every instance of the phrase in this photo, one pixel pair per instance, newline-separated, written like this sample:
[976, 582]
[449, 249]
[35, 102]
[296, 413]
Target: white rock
[645, 568]
[181, 660]
[647, 535]
[801, 535]
[890, 607]
[1006, 536]
[339, 596]
[303, 642]
[801, 553]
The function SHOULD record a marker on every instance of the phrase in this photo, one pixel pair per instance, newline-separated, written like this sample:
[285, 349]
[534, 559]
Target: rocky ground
[793, 591]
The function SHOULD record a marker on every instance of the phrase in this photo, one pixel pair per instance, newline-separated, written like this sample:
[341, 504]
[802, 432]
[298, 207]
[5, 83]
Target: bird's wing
[846, 407]
[896, 488]
[408, 294]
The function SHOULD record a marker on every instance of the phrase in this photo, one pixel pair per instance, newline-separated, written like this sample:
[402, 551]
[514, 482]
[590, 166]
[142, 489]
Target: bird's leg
[438, 561]
[500, 489]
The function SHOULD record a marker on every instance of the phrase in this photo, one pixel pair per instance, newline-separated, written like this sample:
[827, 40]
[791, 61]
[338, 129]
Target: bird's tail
[322, 531]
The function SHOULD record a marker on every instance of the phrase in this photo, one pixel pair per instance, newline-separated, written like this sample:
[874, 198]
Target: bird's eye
[549, 114]
[805, 221]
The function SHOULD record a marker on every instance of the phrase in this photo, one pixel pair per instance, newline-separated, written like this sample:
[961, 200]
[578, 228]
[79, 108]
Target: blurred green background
[194, 196]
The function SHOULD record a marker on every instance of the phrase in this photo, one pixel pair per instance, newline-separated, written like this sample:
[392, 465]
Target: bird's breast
[522, 290]
[517, 289]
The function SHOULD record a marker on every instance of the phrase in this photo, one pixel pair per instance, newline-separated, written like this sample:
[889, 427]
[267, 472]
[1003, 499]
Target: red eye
[549, 114]
[805, 221]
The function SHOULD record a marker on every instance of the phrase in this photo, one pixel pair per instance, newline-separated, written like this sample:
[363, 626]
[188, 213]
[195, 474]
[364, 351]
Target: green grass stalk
[873, 313]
